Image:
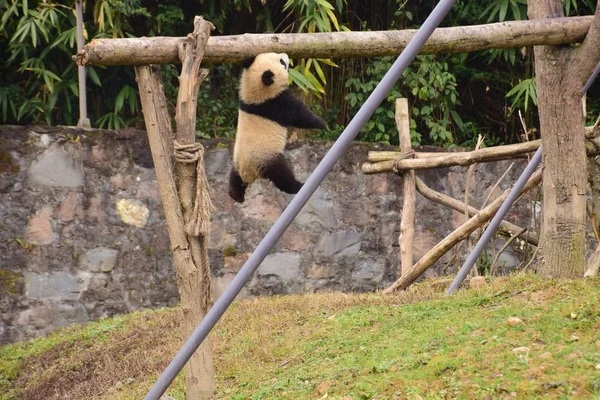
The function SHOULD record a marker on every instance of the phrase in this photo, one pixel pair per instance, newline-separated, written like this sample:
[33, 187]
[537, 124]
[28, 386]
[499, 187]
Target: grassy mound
[419, 344]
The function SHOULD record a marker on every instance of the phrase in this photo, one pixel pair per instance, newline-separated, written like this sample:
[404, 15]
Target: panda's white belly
[257, 140]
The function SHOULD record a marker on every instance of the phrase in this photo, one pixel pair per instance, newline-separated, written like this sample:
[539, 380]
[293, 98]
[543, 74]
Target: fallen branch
[459, 234]
[232, 49]
[505, 228]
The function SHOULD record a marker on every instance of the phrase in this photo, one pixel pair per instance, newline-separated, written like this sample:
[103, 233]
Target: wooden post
[195, 285]
[190, 252]
[199, 370]
[407, 221]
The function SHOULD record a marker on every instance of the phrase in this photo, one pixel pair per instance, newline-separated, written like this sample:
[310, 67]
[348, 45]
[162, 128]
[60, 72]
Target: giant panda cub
[267, 109]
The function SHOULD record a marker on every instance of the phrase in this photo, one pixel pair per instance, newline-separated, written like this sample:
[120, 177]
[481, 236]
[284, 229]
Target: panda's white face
[264, 77]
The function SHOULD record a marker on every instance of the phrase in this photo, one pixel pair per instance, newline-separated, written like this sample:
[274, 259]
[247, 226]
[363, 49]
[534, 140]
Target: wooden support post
[407, 221]
[459, 234]
[200, 368]
[200, 379]
[190, 252]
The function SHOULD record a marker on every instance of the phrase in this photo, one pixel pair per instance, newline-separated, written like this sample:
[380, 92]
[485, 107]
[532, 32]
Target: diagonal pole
[292, 210]
[512, 196]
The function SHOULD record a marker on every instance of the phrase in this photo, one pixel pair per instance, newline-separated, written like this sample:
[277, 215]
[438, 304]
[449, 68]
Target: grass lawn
[417, 345]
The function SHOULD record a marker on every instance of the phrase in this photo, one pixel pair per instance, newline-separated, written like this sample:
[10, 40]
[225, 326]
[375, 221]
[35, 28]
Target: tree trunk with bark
[561, 72]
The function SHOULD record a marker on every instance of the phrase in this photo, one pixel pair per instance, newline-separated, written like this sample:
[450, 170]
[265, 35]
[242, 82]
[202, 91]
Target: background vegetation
[453, 98]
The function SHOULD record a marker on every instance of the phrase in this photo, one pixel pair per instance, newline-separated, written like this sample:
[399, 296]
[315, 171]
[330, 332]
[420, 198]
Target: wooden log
[196, 290]
[505, 228]
[489, 154]
[407, 221]
[459, 234]
[378, 156]
[232, 49]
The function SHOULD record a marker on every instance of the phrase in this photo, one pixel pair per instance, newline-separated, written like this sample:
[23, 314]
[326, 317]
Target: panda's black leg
[280, 173]
[237, 187]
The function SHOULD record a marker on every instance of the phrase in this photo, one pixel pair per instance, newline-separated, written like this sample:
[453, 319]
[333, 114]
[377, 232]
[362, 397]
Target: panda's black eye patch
[282, 62]
[267, 78]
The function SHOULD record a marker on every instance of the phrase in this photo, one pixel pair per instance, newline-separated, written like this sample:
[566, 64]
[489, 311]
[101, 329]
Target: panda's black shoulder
[277, 109]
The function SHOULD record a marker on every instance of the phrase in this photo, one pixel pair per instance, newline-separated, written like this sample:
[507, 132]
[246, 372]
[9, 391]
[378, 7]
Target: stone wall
[82, 232]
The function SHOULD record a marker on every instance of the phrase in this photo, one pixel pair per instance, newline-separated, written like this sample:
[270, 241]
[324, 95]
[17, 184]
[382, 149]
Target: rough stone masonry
[82, 232]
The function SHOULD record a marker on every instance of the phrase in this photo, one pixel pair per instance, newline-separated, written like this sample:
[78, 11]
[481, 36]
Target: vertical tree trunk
[195, 286]
[562, 239]
[199, 370]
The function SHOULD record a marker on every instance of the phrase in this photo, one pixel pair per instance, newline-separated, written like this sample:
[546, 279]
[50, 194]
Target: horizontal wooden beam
[383, 161]
[232, 49]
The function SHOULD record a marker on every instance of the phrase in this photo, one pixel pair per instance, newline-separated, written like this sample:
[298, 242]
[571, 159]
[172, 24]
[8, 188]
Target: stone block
[68, 313]
[100, 259]
[61, 285]
[55, 168]
[279, 273]
[342, 243]
[133, 212]
[39, 228]
[70, 208]
[318, 210]
[263, 207]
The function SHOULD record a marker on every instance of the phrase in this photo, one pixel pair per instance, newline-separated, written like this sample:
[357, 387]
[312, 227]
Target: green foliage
[431, 89]
[452, 98]
[217, 114]
[313, 16]
[523, 93]
[498, 10]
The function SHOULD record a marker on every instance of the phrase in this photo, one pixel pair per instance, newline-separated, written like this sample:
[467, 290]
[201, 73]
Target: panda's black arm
[301, 116]
[287, 110]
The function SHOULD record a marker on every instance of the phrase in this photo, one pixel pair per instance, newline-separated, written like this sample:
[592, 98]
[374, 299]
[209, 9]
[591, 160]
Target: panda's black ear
[267, 77]
[247, 62]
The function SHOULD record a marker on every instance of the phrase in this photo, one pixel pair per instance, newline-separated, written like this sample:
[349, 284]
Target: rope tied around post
[199, 222]
[404, 154]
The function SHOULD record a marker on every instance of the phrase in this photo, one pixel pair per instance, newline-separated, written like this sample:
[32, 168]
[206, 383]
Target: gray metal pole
[512, 196]
[292, 210]
[591, 80]
[83, 118]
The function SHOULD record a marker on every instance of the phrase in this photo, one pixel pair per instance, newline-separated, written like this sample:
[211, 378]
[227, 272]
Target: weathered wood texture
[506, 228]
[385, 159]
[160, 137]
[561, 72]
[407, 222]
[194, 283]
[459, 234]
[232, 49]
